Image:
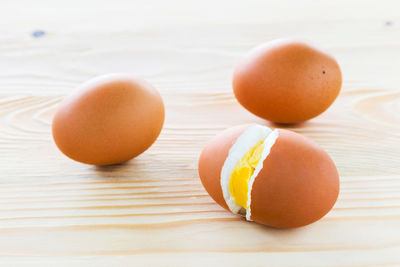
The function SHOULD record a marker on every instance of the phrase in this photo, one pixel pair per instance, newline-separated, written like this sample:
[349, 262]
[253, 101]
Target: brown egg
[287, 81]
[110, 119]
[293, 182]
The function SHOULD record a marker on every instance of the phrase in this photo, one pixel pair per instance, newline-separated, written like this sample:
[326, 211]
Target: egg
[287, 81]
[274, 177]
[109, 119]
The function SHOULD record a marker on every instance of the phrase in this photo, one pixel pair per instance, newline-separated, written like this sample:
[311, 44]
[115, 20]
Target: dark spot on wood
[38, 33]
[388, 23]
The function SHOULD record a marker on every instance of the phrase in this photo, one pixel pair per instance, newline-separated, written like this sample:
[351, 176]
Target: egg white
[249, 138]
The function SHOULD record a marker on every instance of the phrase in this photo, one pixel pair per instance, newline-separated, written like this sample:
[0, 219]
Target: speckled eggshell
[287, 81]
[297, 185]
[109, 119]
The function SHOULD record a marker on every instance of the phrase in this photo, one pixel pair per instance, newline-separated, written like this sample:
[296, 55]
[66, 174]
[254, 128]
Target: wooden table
[153, 211]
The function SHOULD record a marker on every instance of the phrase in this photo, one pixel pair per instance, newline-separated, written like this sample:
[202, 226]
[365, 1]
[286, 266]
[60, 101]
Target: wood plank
[153, 210]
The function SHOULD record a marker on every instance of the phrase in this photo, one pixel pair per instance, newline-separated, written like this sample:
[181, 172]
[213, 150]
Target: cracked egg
[274, 177]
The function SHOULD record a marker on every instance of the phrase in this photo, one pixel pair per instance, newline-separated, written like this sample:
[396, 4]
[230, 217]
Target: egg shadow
[281, 233]
[117, 171]
[295, 125]
[289, 125]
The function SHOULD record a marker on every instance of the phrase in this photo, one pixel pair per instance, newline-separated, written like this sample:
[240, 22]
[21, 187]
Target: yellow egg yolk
[244, 169]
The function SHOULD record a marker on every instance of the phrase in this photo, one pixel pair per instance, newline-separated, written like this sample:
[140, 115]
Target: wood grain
[153, 210]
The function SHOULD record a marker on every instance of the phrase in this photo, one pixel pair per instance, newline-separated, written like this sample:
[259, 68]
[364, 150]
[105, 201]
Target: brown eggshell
[110, 119]
[287, 81]
[297, 185]
[212, 160]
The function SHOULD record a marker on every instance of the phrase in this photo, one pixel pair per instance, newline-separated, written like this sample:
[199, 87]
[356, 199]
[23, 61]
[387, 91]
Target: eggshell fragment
[296, 185]
[212, 160]
[287, 81]
[110, 119]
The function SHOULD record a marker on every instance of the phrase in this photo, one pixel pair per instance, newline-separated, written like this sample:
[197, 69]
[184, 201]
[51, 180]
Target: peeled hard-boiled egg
[287, 81]
[110, 119]
[274, 177]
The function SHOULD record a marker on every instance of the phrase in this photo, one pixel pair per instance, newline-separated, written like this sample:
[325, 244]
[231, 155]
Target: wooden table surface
[153, 210]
